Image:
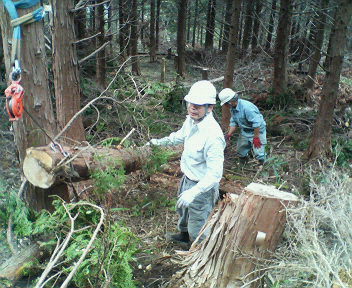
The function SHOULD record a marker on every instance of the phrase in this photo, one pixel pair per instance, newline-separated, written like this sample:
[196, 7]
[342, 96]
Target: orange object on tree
[14, 100]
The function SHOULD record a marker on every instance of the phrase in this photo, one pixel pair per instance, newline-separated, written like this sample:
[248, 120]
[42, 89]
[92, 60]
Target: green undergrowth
[109, 177]
[108, 262]
[109, 259]
[159, 157]
[342, 149]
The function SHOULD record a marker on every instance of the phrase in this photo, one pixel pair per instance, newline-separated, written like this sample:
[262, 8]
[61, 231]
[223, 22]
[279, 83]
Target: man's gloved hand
[257, 143]
[228, 137]
[186, 198]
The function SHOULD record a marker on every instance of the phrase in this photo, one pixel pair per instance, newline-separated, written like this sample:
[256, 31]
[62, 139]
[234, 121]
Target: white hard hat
[201, 93]
[226, 95]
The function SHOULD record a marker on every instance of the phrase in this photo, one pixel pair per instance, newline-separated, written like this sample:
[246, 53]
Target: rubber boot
[182, 237]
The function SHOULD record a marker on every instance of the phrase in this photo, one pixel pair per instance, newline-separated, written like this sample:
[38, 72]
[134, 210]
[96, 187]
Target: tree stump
[244, 231]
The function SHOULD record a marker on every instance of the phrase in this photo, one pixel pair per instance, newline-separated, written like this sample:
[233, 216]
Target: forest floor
[150, 202]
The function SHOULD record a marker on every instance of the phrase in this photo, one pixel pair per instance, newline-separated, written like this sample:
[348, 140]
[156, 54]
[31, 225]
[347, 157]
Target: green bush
[159, 157]
[174, 99]
[342, 148]
[109, 259]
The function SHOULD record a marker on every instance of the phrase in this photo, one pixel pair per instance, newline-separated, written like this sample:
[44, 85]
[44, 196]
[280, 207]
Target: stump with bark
[243, 231]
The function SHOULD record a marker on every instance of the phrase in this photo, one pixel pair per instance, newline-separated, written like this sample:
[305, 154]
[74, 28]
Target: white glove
[152, 142]
[186, 198]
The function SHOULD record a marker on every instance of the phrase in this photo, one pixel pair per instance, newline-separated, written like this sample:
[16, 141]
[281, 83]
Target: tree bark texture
[210, 28]
[247, 31]
[318, 44]
[12, 269]
[231, 57]
[195, 23]
[80, 25]
[157, 25]
[271, 25]
[100, 40]
[320, 142]
[65, 70]
[152, 44]
[37, 98]
[123, 30]
[227, 25]
[281, 48]
[181, 37]
[256, 25]
[134, 39]
[244, 230]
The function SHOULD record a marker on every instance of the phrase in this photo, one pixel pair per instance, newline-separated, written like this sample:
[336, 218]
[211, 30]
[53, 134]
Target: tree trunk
[256, 26]
[181, 41]
[13, 268]
[44, 167]
[210, 28]
[232, 56]
[318, 44]
[244, 231]
[65, 70]
[100, 58]
[247, 32]
[123, 32]
[152, 46]
[142, 24]
[320, 142]
[157, 25]
[37, 99]
[195, 23]
[80, 26]
[134, 39]
[228, 13]
[271, 25]
[281, 48]
[188, 21]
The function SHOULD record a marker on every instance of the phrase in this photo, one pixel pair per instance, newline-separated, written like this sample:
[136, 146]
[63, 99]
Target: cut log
[43, 167]
[244, 230]
[12, 268]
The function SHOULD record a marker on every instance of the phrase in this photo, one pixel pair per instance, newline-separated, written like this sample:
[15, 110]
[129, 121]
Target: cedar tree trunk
[100, 59]
[318, 44]
[320, 142]
[37, 98]
[65, 70]
[271, 25]
[181, 41]
[247, 33]
[232, 55]
[134, 39]
[281, 48]
[256, 25]
[210, 28]
[152, 46]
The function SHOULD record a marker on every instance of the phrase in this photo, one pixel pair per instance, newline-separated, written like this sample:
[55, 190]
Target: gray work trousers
[193, 217]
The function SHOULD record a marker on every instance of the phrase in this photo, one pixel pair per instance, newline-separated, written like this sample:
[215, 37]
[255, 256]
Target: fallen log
[12, 269]
[44, 167]
[244, 231]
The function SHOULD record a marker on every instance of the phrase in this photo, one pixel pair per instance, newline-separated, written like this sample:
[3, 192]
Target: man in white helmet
[201, 161]
[247, 117]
